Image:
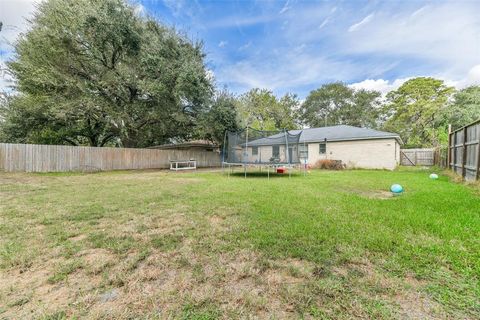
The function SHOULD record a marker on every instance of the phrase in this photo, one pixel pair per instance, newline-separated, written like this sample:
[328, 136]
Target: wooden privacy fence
[52, 158]
[416, 157]
[464, 151]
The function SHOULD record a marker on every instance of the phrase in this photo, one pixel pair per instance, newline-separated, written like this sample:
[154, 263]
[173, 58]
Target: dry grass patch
[203, 246]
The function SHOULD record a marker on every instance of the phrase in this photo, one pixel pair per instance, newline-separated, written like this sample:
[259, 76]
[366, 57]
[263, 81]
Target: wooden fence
[418, 157]
[464, 151]
[53, 158]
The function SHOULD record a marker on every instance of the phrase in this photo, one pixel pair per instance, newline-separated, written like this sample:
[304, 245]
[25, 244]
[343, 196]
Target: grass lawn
[202, 245]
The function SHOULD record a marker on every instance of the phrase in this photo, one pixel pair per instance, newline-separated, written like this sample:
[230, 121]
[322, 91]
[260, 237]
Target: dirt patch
[370, 194]
[414, 305]
[218, 223]
[233, 283]
[405, 293]
[22, 179]
[38, 295]
[171, 221]
[78, 238]
[97, 260]
[376, 194]
[171, 177]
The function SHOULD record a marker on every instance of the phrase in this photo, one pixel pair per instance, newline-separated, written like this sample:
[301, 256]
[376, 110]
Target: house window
[303, 151]
[254, 151]
[276, 152]
[322, 148]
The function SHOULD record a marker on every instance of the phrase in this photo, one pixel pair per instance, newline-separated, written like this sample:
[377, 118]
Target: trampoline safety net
[250, 146]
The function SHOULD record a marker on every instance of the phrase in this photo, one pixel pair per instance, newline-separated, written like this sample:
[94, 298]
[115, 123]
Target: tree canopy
[221, 116]
[262, 110]
[418, 112]
[336, 103]
[93, 72]
[465, 107]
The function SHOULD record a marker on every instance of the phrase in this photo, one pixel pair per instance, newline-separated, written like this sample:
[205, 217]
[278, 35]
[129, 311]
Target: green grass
[210, 246]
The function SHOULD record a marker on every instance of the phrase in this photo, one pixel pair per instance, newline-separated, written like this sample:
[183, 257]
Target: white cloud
[240, 21]
[175, 6]
[12, 14]
[364, 21]
[285, 8]
[210, 75]
[441, 39]
[445, 36]
[419, 11]
[245, 46]
[472, 78]
[381, 85]
[324, 23]
[139, 9]
[178, 8]
[283, 72]
[6, 79]
[385, 86]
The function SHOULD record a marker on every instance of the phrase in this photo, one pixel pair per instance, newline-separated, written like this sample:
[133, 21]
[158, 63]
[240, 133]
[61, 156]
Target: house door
[290, 154]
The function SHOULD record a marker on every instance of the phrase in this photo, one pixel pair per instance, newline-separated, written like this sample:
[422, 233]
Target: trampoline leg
[268, 170]
[245, 170]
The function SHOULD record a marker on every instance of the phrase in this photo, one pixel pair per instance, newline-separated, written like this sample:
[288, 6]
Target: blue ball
[396, 188]
[434, 176]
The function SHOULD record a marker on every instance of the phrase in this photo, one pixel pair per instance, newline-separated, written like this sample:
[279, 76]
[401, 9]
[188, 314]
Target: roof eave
[353, 139]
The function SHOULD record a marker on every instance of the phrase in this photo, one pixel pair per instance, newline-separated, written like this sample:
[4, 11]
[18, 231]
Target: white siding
[371, 154]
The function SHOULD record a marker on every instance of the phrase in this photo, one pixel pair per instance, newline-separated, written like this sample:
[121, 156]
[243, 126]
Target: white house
[355, 147]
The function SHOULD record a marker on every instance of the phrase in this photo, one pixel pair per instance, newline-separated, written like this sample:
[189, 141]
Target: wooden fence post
[478, 152]
[2, 157]
[464, 153]
[454, 150]
[449, 148]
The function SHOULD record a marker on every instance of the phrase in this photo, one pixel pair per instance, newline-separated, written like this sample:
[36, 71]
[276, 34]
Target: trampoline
[271, 149]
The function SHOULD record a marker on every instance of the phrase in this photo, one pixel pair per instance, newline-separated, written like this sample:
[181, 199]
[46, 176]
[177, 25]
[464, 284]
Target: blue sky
[296, 46]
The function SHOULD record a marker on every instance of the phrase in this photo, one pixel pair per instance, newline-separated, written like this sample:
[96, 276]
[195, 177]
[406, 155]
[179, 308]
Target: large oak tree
[94, 72]
[220, 116]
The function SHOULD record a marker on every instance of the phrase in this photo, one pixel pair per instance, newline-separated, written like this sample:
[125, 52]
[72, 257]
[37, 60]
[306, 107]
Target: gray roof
[342, 133]
[334, 133]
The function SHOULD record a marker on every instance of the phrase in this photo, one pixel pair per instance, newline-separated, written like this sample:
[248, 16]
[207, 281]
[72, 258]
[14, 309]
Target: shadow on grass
[264, 175]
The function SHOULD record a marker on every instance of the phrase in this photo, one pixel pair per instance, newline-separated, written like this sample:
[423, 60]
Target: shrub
[329, 164]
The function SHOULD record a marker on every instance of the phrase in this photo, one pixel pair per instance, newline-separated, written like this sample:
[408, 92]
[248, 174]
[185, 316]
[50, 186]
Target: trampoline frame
[290, 165]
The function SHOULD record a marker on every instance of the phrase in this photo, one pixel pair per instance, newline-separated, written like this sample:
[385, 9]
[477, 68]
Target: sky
[296, 46]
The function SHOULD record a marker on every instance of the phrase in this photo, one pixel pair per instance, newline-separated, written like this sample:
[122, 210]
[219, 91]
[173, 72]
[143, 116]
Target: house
[355, 147]
[191, 154]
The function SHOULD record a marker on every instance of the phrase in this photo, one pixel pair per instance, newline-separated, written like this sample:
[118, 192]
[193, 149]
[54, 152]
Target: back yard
[156, 244]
